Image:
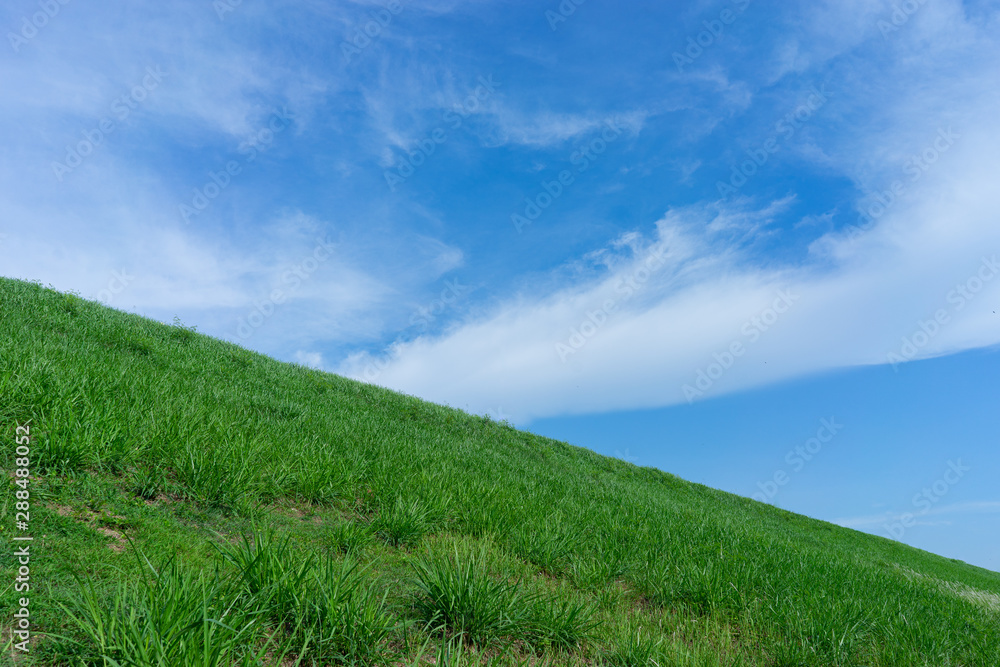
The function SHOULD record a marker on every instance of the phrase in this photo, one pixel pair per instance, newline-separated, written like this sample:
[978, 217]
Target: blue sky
[679, 233]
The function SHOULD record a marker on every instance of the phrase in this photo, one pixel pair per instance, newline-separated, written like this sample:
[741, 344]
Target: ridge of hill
[195, 503]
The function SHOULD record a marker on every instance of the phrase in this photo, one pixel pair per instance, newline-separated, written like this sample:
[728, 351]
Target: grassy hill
[194, 503]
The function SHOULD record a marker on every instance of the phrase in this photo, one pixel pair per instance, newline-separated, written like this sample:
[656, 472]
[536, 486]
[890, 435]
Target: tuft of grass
[457, 593]
[329, 607]
[551, 551]
[174, 617]
[269, 575]
[349, 537]
[147, 483]
[324, 478]
[404, 523]
[634, 648]
[343, 613]
[232, 482]
[595, 570]
[181, 333]
[564, 624]
[72, 303]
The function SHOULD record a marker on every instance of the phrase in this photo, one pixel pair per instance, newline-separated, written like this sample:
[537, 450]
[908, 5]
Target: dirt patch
[100, 522]
[119, 543]
[160, 499]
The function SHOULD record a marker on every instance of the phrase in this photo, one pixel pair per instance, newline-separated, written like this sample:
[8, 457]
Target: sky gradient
[680, 233]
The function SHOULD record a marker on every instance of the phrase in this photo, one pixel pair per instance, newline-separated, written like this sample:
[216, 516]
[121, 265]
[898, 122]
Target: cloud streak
[879, 520]
[860, 291]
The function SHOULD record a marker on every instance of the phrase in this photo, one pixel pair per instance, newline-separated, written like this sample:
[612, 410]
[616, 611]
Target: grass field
[194, 503]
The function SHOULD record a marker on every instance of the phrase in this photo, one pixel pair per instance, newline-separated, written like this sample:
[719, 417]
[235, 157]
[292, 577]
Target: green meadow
[193, 503]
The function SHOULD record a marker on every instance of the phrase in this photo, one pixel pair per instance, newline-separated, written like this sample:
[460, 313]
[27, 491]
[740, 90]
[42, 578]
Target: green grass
[459, 595]
[194, 503]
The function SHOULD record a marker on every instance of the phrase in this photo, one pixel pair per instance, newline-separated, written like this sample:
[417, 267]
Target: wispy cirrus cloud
[547, 128]
[857, 297]
[965, 508]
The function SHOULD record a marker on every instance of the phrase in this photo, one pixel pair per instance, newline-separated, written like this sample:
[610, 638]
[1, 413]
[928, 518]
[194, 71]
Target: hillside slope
[239, 510]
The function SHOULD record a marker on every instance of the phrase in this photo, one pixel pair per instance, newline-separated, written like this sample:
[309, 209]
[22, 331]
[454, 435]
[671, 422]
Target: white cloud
[857, 300]
[310, 359]
[875, 520]
[84, 60]
[546, 128]
[658, 340]
[160, 269]
[114, 219]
